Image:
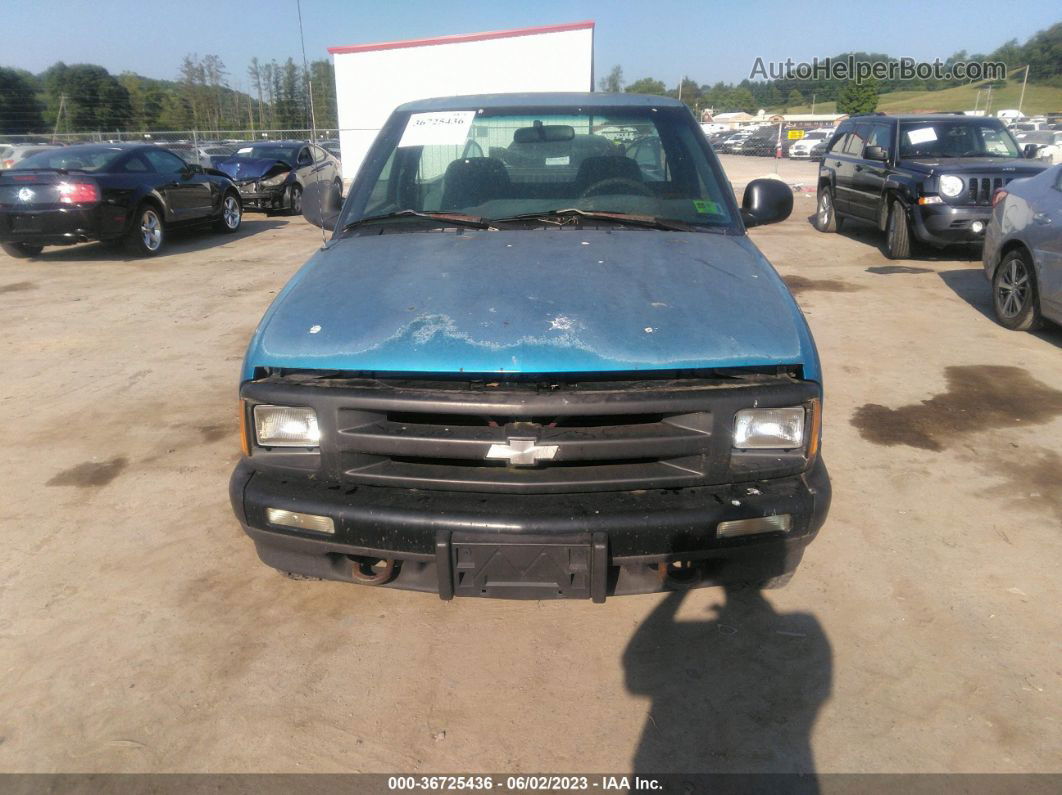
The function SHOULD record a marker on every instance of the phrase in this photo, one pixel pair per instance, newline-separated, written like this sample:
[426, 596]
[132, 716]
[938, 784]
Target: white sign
[437, 129]
[921, 136]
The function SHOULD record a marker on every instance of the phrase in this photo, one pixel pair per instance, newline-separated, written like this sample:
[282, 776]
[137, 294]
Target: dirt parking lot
[139, 632]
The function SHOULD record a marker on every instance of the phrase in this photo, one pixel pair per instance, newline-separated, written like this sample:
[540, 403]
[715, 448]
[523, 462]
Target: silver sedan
[1023, 251]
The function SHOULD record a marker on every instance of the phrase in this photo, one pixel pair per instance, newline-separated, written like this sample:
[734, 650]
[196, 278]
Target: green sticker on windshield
[705, 207]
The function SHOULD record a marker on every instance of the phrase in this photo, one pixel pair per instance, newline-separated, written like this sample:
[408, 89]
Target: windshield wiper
[573, 215]
[445, 219]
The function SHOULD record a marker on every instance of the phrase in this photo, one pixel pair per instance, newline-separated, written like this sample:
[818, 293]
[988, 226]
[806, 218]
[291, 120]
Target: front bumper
[944, 225]
[264, 198]
[631, 536]
[50, 227]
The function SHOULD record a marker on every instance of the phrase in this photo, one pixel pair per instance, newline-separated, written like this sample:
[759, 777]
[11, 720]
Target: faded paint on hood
[530, 301]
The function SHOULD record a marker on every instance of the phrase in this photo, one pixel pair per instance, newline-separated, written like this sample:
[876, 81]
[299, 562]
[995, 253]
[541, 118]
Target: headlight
[775, 429]
[272, 182]
[950, 186]
[286, 426]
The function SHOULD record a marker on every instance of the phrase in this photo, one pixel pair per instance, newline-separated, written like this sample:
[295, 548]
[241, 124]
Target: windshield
[496, 164]
[82, 158]
[956, 139]
[267, 152]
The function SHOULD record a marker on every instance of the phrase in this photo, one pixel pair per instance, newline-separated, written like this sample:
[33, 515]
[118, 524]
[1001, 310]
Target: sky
[707, 40]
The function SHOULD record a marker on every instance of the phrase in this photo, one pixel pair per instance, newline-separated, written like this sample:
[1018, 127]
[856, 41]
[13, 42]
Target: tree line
[1042, 54]
[87, 98]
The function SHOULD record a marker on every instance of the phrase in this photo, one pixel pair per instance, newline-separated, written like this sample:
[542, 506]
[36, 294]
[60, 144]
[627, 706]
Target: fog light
[978, 227]
[779, 523]
[301, 521]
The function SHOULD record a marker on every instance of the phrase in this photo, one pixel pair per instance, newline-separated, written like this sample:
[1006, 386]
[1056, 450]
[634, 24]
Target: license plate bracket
[25, 222]
[509, 566]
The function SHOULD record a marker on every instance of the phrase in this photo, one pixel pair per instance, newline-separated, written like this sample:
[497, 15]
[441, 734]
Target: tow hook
[679, 573]
[371, 571]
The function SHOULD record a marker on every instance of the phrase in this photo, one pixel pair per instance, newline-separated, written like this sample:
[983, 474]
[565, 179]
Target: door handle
[1042, 218]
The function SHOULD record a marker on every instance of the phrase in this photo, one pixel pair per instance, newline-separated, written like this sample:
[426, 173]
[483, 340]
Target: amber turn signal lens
[245, 439]
[814, 427]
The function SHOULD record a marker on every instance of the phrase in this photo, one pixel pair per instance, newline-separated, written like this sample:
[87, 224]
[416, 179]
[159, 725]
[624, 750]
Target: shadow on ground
[972, 287]
[868, 233]
[179, 241]
[736, 692]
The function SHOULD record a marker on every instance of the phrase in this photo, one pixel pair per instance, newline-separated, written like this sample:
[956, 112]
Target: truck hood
[534, 301]
[1017, 166]
[242, 168]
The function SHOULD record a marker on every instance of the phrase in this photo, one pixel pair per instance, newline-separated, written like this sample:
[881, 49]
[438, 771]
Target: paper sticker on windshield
[922, 135]
[705, 207]
[437, 129]
[243, 151]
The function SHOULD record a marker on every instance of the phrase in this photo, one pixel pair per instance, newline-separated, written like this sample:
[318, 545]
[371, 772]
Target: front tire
[897, 233]
[295, 200]
[21, 250]
[1014, 294]
[148, 234]
[231, 215]
[825, 211]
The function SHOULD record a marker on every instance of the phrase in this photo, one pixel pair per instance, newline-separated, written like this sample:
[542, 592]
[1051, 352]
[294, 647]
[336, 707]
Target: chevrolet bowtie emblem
[522, 451]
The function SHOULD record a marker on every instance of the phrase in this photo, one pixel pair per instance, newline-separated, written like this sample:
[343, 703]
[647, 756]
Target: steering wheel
[606, 186]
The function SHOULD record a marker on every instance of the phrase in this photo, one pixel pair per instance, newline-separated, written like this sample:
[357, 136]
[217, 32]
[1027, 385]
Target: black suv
[930, 176]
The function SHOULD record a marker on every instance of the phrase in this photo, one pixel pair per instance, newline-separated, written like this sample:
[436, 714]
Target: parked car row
[137, 193]
[765, 141]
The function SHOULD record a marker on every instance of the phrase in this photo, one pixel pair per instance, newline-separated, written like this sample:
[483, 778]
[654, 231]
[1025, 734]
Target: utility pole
[58, 116]
[988, 101]
[813, 104]
[1023, 82]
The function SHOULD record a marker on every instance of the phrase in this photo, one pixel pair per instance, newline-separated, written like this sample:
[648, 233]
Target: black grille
[981, 189]
[472, 436]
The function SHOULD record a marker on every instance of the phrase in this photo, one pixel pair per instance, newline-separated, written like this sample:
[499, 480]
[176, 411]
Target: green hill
[1039, 99]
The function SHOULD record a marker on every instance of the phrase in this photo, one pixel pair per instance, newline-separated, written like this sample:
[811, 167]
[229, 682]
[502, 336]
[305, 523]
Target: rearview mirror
[876, 153]
[544, 133]
[321, 205]
[766, 201]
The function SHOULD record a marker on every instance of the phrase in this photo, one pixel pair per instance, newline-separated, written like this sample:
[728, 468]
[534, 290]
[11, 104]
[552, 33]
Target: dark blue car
[273, 175]
[535, 362]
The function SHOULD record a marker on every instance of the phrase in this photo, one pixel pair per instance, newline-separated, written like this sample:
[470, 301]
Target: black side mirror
[766, 201]
[876, 153]
[321, 205]
[1029, 151]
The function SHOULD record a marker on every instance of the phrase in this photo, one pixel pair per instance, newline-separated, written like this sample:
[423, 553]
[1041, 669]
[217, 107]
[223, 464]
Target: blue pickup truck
[535, 361]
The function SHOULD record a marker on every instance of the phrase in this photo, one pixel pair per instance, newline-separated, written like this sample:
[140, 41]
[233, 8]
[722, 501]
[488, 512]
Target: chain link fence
[193, 137]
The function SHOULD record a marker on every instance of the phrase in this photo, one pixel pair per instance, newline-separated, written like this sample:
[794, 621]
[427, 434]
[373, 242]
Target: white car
[1048, 141]
[801, 149]
[13, 153]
